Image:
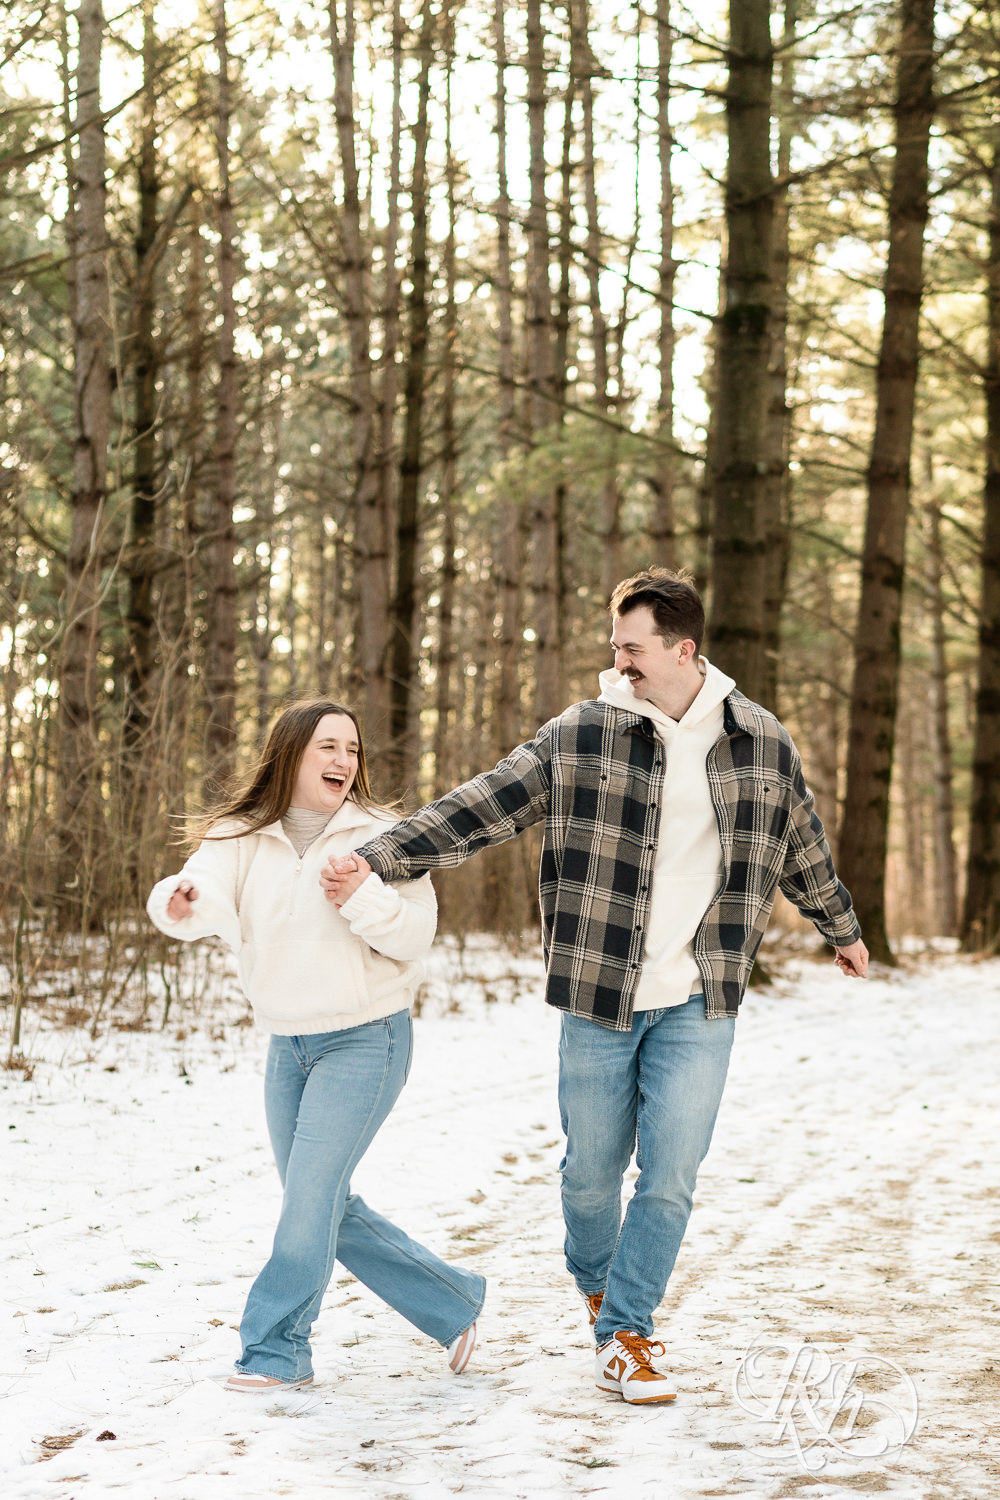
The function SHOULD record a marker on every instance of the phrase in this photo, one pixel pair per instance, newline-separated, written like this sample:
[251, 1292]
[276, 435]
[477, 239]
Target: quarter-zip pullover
[306, 966]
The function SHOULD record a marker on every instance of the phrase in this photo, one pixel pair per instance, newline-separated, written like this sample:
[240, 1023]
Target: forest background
[360, 348]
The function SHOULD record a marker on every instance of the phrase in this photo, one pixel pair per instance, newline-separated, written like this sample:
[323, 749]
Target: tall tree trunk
[320, 595]
[619, 371]
[262, 638]
[443, 741]
[508, 887]
[945, 871]
[12, 596]
[68, 159]
[290, 604]
[220, 633]
[864, 836]
[144, 359]
[381, 520]
[562, 328]
[611, 503]
[544, 522]
[443, 696]
[80, 813]
[743, 350]
[190, 480]
[372, 568]
[511, 529]
[774, 493]
[912, 749]
[981, 911]
[664, 527]
[402, 756]
[179, 523]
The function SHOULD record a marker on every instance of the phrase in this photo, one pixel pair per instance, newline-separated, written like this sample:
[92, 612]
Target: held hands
[340, 878]
[853, 961]
[181, 903]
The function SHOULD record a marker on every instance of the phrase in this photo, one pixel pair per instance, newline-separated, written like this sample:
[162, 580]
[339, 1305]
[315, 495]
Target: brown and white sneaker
[593, 1301]
[250, 1384]
[624, 1365]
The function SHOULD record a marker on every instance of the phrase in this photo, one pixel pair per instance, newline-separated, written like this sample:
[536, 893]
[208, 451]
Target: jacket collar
[742, 715]
[349, 816]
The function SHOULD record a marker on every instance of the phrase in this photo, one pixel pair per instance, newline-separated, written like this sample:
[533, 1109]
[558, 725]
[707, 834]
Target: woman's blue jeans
[326, 1096]
[655, 1089]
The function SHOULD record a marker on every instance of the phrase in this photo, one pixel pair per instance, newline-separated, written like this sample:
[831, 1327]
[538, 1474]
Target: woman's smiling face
[328, 766]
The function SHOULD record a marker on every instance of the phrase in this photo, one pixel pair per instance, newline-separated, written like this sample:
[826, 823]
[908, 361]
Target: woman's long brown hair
[263, 794]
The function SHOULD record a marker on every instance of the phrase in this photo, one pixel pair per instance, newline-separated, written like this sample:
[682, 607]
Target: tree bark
[511, 529]
[562, 330]
[144, 359]
[864, 836]
[611, 501]
[945, 868]
[981, 911]
[80, 810]
[823, 728]
[380, 519]
[544, 510]
[66, 120]
[372, 567]
[220, 630]
[402, 750]
[619, 372]
[664, 525]
[743, 350]
[774, 493]
[444, 701]
[912, 752]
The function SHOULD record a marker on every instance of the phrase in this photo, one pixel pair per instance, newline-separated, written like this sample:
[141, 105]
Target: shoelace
[641, 1350]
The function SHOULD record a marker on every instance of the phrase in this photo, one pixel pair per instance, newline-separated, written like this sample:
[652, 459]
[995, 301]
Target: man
[674, 808]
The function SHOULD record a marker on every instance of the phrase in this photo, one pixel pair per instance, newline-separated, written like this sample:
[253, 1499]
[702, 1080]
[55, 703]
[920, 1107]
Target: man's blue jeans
[655, 1089]
[326, 1096]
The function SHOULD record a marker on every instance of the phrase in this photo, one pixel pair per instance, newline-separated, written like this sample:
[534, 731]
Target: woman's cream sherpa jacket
[306, 966]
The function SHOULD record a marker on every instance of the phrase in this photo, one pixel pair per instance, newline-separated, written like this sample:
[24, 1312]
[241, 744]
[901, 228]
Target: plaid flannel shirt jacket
[595, 776]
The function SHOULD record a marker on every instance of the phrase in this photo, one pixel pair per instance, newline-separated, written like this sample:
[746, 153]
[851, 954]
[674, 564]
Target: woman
[332, 984]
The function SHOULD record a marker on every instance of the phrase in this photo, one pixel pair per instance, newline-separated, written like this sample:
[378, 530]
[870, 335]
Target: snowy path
[851, 1198]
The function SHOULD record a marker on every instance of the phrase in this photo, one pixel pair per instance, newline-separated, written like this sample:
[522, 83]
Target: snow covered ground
[849, 1204]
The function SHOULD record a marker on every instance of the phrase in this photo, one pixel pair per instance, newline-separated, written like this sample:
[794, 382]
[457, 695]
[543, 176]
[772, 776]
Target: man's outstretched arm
[489, 809]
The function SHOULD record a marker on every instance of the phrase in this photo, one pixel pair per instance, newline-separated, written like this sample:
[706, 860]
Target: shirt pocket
[762, 814]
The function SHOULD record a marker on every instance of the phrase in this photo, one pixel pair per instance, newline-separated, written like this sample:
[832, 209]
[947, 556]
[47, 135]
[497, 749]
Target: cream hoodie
[305, 966]
[688, 869]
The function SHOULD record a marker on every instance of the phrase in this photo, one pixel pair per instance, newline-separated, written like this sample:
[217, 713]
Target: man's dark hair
[673, 598]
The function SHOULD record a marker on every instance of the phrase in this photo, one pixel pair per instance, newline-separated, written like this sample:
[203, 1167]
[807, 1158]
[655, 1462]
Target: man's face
[658, 673]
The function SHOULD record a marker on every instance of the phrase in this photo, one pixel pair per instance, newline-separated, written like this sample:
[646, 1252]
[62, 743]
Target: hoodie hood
[716, 687]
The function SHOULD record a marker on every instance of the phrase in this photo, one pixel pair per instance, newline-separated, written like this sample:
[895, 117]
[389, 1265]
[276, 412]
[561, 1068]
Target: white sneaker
[460, 1349]
[625, 1367]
